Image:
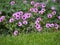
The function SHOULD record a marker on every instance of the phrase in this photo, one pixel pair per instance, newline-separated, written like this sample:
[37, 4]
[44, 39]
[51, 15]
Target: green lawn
[32, 39]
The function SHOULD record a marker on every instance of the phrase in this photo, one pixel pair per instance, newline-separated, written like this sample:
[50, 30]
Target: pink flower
[49, 15]
[59, 17]
[0, 12]
[19, 24]
[36, 5]
[54, 13]
[53, 8]
[14, 15]
[20, 13]
[43, 9]
[24, 17]
[17, 17]
[43, 5]
[41, 12]
[56, 26]
[25, 22]
[39, 19]
[2, 18]
[25, 1]
[11, 20]
[38, 27]
[28, 15]
[37, 22]
[53, 0]
[12, 2]
[47, 25]
[35, 10]
[15, 32]
[32, 2]
[52, 25]
[31, 9]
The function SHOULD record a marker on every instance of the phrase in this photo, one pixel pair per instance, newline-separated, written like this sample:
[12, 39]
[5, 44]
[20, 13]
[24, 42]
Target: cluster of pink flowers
[19, 15]
[37, 4]
[42, 11]
[35, 7]
[51, 25]
[22, 17]
[16, 15]
[26, 16]
[50, 15]
[35, 10]
[37, 25]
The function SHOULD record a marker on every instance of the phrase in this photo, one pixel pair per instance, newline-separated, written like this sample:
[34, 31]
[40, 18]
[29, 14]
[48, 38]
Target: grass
[32, 39]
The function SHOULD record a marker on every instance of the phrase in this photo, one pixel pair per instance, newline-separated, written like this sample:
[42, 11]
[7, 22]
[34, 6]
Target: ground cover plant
[28, 16]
